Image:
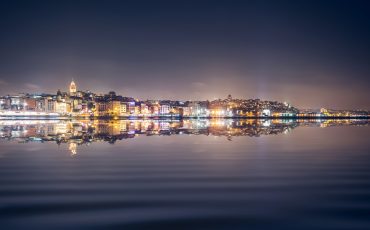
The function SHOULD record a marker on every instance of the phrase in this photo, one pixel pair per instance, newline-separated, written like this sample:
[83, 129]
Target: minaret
[72, 88]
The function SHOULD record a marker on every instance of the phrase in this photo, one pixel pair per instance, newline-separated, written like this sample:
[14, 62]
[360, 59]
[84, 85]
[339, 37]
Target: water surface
[192, 174]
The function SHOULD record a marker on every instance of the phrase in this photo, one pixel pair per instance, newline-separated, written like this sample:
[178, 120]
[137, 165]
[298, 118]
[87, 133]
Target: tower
[72, 88]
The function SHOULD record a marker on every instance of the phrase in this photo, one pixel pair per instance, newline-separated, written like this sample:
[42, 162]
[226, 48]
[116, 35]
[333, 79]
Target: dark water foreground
[200, 174]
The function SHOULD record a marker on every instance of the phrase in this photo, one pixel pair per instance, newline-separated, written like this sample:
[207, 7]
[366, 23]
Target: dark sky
[309, 53]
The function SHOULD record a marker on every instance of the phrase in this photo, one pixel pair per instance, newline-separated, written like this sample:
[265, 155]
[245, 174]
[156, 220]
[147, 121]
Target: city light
[85, 104]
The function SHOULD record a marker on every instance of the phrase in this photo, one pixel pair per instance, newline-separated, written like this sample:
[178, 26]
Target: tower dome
[72, 87]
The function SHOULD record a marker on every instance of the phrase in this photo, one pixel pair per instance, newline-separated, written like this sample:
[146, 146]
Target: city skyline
[310, 54]
[78, 103]
[67, 89]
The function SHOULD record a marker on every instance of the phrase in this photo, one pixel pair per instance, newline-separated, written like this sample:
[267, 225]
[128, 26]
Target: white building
[164, 109]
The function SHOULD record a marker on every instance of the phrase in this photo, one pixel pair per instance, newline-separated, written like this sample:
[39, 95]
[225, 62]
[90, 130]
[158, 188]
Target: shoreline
[181, 118]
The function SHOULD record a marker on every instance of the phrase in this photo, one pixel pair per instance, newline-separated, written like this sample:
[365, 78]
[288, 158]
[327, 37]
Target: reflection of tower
[73, 148]
[72, 88]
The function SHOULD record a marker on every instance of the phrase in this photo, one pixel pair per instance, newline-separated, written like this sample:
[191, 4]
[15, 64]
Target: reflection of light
[26, 122]
[26, 113]
[73, 148]
[266, 123]
[80, 132]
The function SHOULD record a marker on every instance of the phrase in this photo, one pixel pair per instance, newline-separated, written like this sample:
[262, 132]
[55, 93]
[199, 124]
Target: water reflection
[80, 132]
[185, 174]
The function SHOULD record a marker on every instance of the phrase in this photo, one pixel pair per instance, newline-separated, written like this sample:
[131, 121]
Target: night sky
[310, 53]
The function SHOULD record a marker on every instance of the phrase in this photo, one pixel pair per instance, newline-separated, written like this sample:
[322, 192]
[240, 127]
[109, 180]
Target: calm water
[201, 174]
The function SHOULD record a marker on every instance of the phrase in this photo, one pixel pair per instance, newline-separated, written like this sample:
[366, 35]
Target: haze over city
[311, 54]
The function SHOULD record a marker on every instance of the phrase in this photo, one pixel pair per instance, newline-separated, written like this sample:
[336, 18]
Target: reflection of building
[73, 148]
[76, 133]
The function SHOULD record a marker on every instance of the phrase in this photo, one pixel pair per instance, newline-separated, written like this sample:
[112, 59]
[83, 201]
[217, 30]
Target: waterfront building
[114, 108]
[264, 113]
[30, 104]
[283, 114]
[124, 109]
[101, 108]
[164, 109]
[220, 111]
[131, 107]
[50, 105]
[16, 103]
[61, 107]
[80, 103]
[41, 104]
[185, 111]
[144, 108]
[137, 110]
[154, 108]
[196, 109]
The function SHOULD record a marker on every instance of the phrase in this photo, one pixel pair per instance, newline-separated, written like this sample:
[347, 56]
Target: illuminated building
[76, 104]
[186, 111]
[137, 110]
[283, 114]
[30, 103]
[220, 111]
[114, 108]
[155, 109]
[164, 109]
[86, 104]
[101, 108]
[41, 104]
[61, 107]
[124, 109]
[131, 107]
[72, 88]
[196, 109]
[144, 109]
[265, 112]
[50, 106]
